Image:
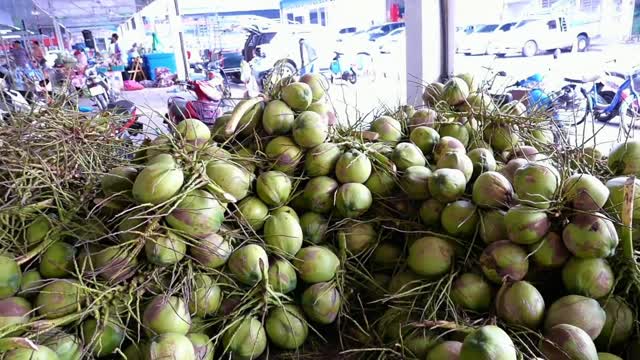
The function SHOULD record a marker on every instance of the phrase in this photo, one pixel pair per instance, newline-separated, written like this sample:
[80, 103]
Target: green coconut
[608, 356]
[206, 296]
[455, 91]
[57, 260]
[492, 190]
[113, 263]
[230, 178]
[286, 327]
[353, 200]
[446, 145]
[66, 346]
[460, 218]
[456, 160]
[314, 227]
[277, 118]
[202, 346]
[418, 342]
[326, 112]
[478, 103]
[619, 323]
[509, 170]
[550, 252]
[165, 249]
[250, 120]
[160, 145]
[322, 159]
[492, 226]
[472, 81]
[103, 337]
[310, 129]
[297, 95]
[482, 161]
[423, 118]
[502, 260]
[317, 83]
[37, 230]
[321, 302]
[131, 228]
[447, 185]
[358, 236]
[415, 182]
[59, 298]
[40, 352]
[282, 276]
[406, 155]
[388, 129]
[198, 214]
[404, 281]
[455, 130]
[543, 137]
[246, 339]
[245, 158]
[566, 341]
[194, 133]
[273, 188]
[488, 343]
[616, 196]
[589, 277]
[624, 158]
[30, 282]
[254, 212]
[166, 314]
[386, 254]
[590, 236]
[284, 153]
[319, 193]
[170, 346]
[526, 225]
[283, 233]
[431, 212]
[579, 311]
[447, 350]
[536, 184]
[585, 192]
[249, 264]
[316, 264]
[431, 256]
[118, 180]
[501, 137]
[286, 209]
[513, 108]
[157, 183]
[14, 311]
[211, 251]
[353, 166]
[528, 153]
[382, 181]
[471, 292]
[164, 159]
[520, 303]
[425, 138]
[433, 93]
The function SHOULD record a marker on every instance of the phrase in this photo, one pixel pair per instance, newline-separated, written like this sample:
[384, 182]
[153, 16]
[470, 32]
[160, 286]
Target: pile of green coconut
[460, 230]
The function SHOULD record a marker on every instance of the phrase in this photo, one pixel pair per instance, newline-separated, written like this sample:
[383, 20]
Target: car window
[525, 22]
[488, 28]
[552, 24]
[507, 26]
[266, 38]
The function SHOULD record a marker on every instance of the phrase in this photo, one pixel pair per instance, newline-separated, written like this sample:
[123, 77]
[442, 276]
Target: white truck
[532, 36]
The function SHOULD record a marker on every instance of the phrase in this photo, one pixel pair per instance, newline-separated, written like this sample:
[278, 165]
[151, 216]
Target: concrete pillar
[58, 33]
[429, 52]
[182, 64]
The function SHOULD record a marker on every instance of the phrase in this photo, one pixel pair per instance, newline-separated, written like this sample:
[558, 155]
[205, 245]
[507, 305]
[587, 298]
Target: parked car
[477, 42]
[393, 42]
[531, 36]
[346, 32]
[378, 31]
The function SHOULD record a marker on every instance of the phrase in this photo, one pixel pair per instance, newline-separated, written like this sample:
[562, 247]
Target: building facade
[338, 14]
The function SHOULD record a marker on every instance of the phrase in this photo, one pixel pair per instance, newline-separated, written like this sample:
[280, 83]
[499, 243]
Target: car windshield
[525, 22]
[488, 28]
[397, 32]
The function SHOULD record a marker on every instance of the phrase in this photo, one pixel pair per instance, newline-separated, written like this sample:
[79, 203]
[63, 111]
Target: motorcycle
[99, 88]
[340, 70]
[207, 106]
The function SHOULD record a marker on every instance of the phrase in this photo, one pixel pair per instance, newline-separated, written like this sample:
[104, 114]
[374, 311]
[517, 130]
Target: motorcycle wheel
[606, 97]
[353, 77]
[574, 112]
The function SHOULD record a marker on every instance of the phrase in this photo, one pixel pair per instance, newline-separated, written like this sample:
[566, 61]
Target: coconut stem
[239, 112]
[626, 231]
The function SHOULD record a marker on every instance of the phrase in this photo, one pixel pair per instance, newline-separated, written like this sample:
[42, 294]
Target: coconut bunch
[501, 219]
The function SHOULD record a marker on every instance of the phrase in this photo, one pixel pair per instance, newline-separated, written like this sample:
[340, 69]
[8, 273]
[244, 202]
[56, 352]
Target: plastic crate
[102, 70]
[156, 60]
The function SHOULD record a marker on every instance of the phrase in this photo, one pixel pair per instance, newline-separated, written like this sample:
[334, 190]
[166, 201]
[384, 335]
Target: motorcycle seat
[584, 79]
[122, 107]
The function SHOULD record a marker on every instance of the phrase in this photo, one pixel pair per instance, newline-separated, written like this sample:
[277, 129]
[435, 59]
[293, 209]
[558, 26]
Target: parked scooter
[207, 106]
[340, 70]
[99, 88]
